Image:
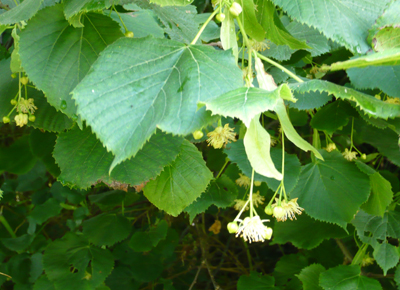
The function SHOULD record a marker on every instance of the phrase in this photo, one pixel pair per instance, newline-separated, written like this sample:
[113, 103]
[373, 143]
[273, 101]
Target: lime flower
[367, 260]
[257, 183]
[243, 181]
[349, 155]
[239, 204]
[21, 119]
[258, 198]
[330, 147]
[273, 142]
[390, 100]
[221, 136]
[252, 229]
[257, 45]
[26, 105]
[286, 209]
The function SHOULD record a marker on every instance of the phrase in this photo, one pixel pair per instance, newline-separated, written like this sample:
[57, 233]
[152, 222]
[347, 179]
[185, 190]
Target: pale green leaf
[385, 78]
[151, 83]
[180, 183]
[275, 30]
[57, 56]
[309, 276]
[75, 7]
[305, 232]
[245, 103]
[106, 229]
[228, 33]
[389, 18]
[346, 22]
[84, 161]
[386, 256]
[290, 132]
[256, 281]
[309, 100]
[212, 30]
[249, 20]
[22, 12]
[15, 59]
[221, 192]
[387, 38]
[387, 57]
[324, 185]
[265, 80]
[163, 3]
[257, 143]
[347, 277]
[142, 23]
[370, 105]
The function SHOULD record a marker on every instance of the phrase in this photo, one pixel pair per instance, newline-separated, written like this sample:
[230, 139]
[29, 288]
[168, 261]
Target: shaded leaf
[144, 241]
[309, 276]
[256, 281]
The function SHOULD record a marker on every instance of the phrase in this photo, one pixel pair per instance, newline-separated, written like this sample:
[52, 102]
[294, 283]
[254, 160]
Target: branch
[348, 256]
[4, 6]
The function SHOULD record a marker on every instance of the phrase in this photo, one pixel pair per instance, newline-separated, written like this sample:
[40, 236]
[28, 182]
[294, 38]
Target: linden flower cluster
[349, 155]
[221, 136]
[257, 200]
[286, 209]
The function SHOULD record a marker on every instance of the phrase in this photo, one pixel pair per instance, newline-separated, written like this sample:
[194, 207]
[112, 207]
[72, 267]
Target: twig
[348, 256]
[218, 43]
[4, 6]
[197, 275]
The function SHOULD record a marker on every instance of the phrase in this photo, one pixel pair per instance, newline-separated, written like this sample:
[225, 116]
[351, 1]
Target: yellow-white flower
[330, 147]
[239, 204]
[390, 100]
[26, 106]
[21, 119]
[243, 181]
[257, 198]
[286, 210]
[349, 155]
[252, 229]
[221, 136]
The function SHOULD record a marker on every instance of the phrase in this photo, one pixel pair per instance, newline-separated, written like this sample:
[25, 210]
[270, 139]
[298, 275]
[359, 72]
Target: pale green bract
[228, 34]
[257, 143]
[138, 85]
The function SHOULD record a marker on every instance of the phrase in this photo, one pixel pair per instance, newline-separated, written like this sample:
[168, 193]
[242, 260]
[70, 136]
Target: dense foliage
[174, 144]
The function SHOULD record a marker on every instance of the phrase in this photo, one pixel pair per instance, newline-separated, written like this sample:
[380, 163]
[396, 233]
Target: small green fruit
[268, 210]
[198, 134]
[233, 227]
[32, 118]
[235, 9]
[129, 34]
[14, 75]
[268, 233]
[13, 102]
[220, 17]
[24, 81]
[6, 120]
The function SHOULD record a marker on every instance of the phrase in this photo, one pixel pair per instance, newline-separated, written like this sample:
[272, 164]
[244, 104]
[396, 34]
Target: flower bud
[279, 212]
[268, 210]
[232, 227]
[198, 134]
[220, 17]
[268, 233]
[6, 120]
[235, 9]
[14, 75]
[24, 81]
[129, 34]
[13, 102]
[32, 118]
[364, 156]
[257, 183]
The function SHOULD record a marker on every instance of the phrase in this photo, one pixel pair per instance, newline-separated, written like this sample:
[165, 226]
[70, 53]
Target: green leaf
[181, 182]
[387, 38]
[18, 244]
[179, 22]
[385, 78]
[212, 30]
[228, 33]
[43, 212]
[249, 20]
[43, 283]
[331, 17]
[333, 116]
[15, 59]
[305, 232]
[287, 267]
[324, 185]
[381, 191]
[386, 256]
[163, 3]
[256, 281]
[76, 146]
[164, 94]
[18, 157]
[245, 103]
[389, 18]
[22, 12]
[142, 23]
[275, 30]
[387, 57]
[57, 56]
[257, 143]
[309, 276]
[347, 277]
[221, 192]
[290, 132]
[75, 252]
[145, 241]
[397, 277]
[370, 105]
[309, 100]
[42, 145]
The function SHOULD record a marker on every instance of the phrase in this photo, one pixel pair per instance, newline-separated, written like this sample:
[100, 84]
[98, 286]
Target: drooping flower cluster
[330, 147]
[349, 155]
[252, 229]
[257, 200]
[286, 209]
[221, 136]
[243, 181]
[26, 105]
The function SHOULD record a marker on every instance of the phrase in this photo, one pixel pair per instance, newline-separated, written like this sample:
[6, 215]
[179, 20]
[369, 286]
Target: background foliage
[108, 189]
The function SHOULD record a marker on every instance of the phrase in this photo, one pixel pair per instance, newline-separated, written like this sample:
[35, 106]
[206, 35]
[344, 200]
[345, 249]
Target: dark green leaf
[145, 241]
[18, 244]
[106, 229]
[163, 95]
[43, 212]
[347, 277]
[181, 182]
[256, 281]
[42, 145]
[57, 56]
[324, 185]
[43, 283]
[287, 267]
[386, 256]
[309, 276]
